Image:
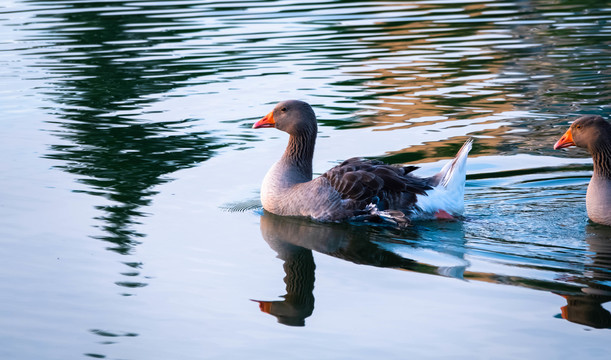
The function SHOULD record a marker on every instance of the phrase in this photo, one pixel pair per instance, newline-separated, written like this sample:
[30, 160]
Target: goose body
[593, 133]
[357, 189]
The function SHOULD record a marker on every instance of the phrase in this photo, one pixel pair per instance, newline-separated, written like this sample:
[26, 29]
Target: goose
[358, 189]
[593, 133]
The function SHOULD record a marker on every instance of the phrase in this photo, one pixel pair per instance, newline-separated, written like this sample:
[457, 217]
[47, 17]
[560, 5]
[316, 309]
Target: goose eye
[283, 109]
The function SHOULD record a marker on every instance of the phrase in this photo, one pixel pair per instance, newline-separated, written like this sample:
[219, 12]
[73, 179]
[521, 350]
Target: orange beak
[565, 141]
[565, 312]
[266, 122]
[264, 306]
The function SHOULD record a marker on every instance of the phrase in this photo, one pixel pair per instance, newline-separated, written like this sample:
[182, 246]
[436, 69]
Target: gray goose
[593, 133]
[357, 189]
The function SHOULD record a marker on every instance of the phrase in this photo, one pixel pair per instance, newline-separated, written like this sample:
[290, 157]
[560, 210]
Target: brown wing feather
[367, 181]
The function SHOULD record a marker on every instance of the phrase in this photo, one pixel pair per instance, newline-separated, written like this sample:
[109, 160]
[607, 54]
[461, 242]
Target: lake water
[130, 226]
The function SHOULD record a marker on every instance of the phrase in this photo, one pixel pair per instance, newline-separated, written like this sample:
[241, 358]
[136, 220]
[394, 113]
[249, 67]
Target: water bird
[357, 189]
[593, 133]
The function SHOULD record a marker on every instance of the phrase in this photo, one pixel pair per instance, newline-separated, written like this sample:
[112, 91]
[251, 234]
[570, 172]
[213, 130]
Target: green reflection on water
[119, 157]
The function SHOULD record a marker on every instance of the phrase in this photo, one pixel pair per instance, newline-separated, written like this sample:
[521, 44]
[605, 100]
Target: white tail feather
[448, 194]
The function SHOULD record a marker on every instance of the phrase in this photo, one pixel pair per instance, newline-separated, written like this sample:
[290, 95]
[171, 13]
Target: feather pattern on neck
[299, 153]
[601, 156]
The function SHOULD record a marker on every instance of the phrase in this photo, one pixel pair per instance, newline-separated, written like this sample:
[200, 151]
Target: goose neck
[601, 155]
[299, 153]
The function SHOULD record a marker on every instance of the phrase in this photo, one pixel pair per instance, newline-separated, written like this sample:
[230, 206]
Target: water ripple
[131, 93]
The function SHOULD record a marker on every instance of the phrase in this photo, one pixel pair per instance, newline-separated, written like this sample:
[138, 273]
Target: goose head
[292, 116]
[586, 132]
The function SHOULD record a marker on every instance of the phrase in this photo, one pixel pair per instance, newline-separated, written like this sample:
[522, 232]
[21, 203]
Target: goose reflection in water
[298, 303]
[293, 239]
[586, 307]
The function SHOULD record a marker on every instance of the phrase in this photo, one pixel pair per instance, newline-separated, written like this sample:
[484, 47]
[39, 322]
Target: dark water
[129, 221]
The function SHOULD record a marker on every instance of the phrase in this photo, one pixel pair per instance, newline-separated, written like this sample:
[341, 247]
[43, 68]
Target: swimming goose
[593, 133]
[357, 189]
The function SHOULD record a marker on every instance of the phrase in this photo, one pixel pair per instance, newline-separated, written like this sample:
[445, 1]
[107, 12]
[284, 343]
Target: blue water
[130, 226]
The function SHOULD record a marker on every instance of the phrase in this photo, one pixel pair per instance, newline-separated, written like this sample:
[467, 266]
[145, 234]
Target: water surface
[129, 220]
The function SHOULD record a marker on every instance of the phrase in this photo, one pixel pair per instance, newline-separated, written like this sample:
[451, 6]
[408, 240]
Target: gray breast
[598, 200]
